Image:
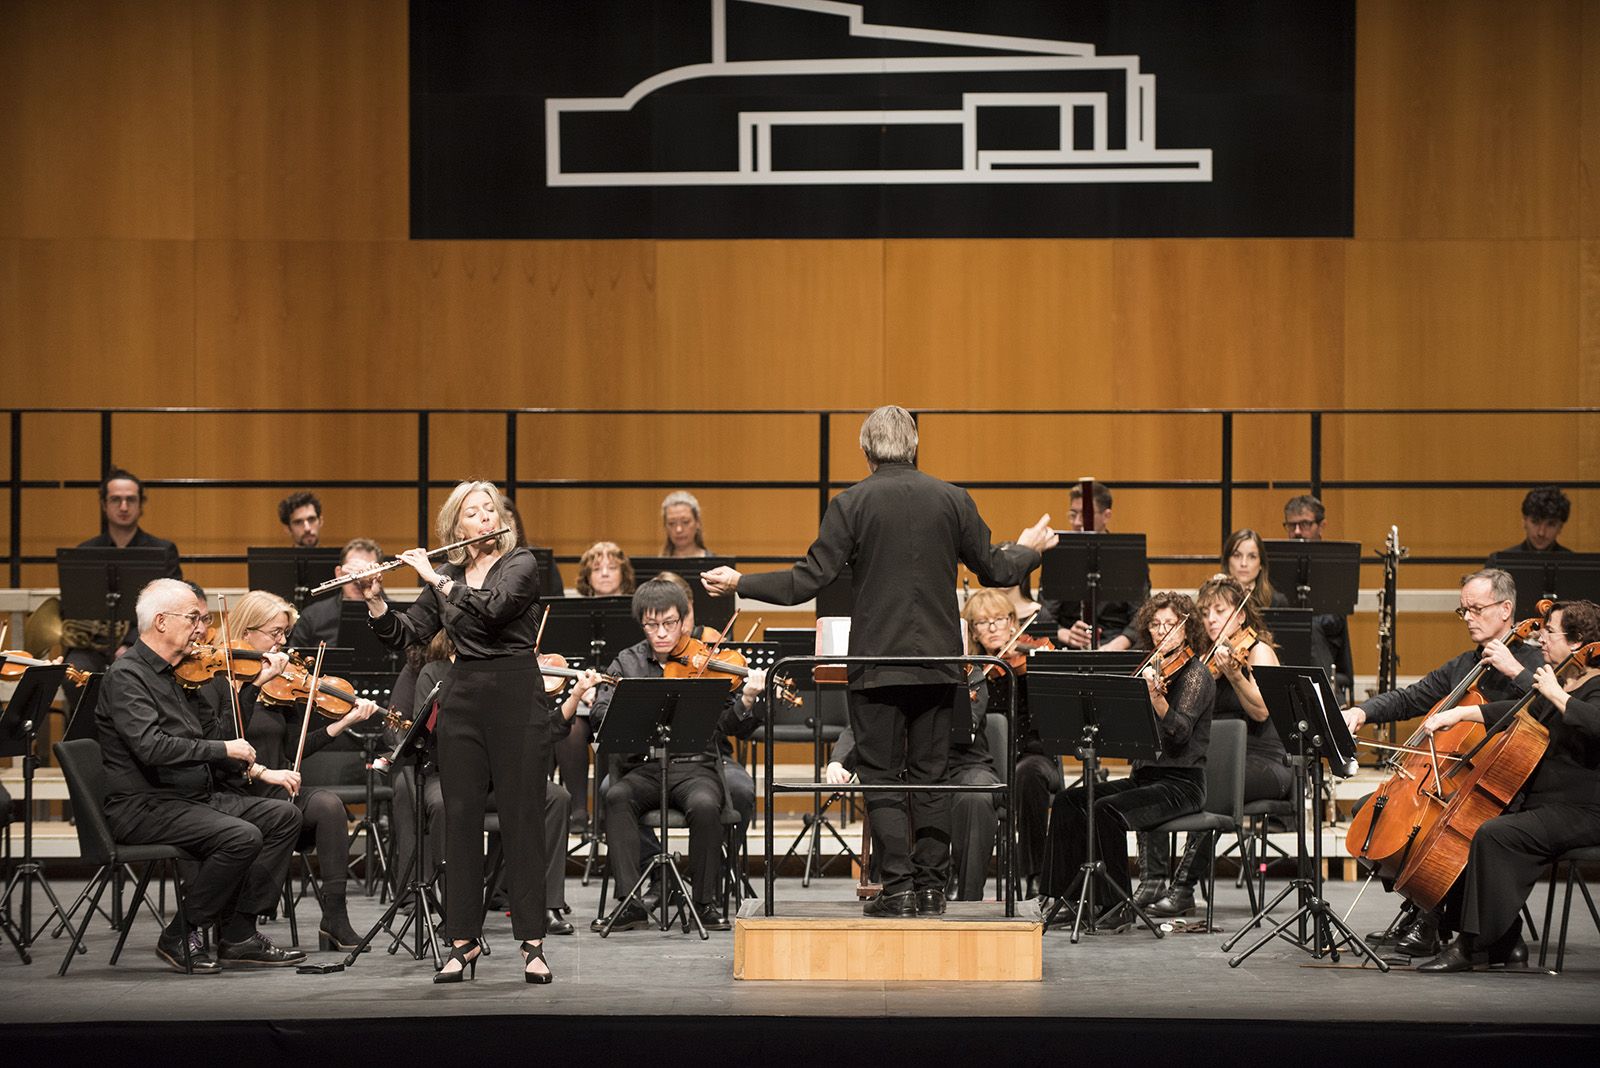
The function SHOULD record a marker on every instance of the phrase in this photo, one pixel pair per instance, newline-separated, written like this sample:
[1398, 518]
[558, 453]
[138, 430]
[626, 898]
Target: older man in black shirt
[903, 533]
[163, 765]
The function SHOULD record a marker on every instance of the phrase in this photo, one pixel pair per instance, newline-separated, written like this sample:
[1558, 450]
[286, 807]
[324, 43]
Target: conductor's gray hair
[889, 436]
[163, 595]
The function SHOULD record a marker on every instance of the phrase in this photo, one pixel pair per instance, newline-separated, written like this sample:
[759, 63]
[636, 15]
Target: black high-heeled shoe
[469, 965]
[530, 952]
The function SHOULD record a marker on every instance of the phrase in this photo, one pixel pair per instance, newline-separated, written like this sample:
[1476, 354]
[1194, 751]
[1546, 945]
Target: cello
[1382, 833]
[1478, 788]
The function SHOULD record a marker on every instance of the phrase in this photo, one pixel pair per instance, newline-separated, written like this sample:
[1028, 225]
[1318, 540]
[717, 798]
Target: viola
[13, 662]
[692, 658]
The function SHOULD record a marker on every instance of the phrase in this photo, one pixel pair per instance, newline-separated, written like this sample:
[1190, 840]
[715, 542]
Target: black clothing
[1418, 698]
[151, 736]
[902, 533]
[318, 622]
[1186, 728]
[1527, 547]
[1330, 650]
[1038, 780]
[1266, 763]
[1114, 619]
[140, 540]
[637, 662]
[493, 728]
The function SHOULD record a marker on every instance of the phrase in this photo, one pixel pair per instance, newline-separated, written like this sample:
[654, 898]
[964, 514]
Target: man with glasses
[319, 620]
[1488, 603]
[694, 786]
[165, 766]
[1304, 518]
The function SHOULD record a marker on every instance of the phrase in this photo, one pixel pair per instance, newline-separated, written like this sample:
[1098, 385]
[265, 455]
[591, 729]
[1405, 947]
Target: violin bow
[311, 705]
[227, 664]
[1216, 646]
[1021, 630]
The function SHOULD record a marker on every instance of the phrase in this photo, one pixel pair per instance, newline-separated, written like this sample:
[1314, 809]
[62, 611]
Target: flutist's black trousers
[494, 731]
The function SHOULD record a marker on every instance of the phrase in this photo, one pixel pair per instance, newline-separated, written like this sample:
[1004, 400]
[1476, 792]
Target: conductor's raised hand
[720, 581]
[1040, 536]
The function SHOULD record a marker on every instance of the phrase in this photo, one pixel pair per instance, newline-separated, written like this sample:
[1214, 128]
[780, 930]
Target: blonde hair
[600, 550]
[255, 610]
[446, 528]
[985, 603]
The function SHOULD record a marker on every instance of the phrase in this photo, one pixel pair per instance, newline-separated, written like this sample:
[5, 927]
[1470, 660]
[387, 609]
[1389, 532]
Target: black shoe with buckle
[631, 918]
[711, 917]
[258, 951]
[894, 906]
[930, 902]
[169, 947]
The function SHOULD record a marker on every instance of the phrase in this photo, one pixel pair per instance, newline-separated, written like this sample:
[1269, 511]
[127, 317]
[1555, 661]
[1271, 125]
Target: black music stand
[1093, 568]
[1324, 576]
[1291, 633]
[412, 748]
[595, 629]
[81, 723]
[709, 611]
[19, 728]
[549, 574]
[291, 572]
[1093, 716]
[662, 717]
[1558, 576]
[1306, 714]
[1087, 661]
[102, 583]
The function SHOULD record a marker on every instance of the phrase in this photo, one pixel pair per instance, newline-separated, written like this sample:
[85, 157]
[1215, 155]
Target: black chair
[1253, 845]
[345, 772]
[1572, 858]
[82, 767]
[1224, 808]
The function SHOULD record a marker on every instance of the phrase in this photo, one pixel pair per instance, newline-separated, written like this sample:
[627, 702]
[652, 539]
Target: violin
[13, 662]
[553, 666]
[205, 661]
[1160, 668]
[1238, 645]
[692, 658]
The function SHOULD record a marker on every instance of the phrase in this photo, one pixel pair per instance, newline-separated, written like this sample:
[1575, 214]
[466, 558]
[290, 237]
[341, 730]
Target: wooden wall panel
[300, 120]
[1589, 122]
[767, 324]
[1467, 118]
[97, 322]
[97, 125]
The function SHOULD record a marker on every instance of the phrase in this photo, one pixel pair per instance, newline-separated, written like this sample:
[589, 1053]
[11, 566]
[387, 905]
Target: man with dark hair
[301, 515]
[319, 621]
[1545, 510]
[1114, 619]
[902, 533]
[694, 785]
[1304, 518]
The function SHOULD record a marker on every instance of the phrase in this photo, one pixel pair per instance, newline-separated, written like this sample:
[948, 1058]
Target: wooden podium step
[830, 940]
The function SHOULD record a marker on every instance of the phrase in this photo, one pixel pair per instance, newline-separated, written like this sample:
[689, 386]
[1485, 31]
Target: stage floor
[650, 974]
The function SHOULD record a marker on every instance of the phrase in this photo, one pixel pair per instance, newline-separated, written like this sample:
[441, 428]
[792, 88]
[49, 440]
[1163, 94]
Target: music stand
[102, 583]
[19, 728]
[594, 628]
[291, 572]
[549, 574]
[1306, 714]
[1093, 568]
[1291, 633]
[1087, 661]
[1324, 576]
[411, 748]
[1558, 576]
[1094, 716]
[81, 723]
[709, 611]
[662, 717]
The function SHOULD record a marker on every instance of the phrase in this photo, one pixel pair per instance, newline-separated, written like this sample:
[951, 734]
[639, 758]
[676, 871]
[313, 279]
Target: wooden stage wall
[206, 204]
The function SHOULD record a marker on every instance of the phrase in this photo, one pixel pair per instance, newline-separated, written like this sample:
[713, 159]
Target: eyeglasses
[1477, 609]
[662, 625]
[277, 634]
[1299, 524]
[990, 624]
[194, 618]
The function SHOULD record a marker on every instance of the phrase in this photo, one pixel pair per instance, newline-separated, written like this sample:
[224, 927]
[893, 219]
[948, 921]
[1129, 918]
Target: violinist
[165, 766]
[320, 621]
[680, 520]
[1237, 641]
[693, 786]
[1560, 803]
[1172, 785]
[1114, 619]
[493, 723]
[1488, 600]
[260, 621]
[1244, 559]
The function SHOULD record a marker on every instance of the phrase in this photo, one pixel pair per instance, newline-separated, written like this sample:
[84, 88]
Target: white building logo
[1091, 118]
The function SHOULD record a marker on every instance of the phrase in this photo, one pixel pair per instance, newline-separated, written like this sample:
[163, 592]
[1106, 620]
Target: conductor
[902, 532]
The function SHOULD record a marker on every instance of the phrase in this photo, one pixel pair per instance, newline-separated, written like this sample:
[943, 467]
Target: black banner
[882, 118]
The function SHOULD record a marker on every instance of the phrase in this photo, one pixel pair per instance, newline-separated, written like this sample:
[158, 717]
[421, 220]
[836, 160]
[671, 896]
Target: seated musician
[262, 621]
[1244, 559]
[1304, 519]
[1488, 601]
[603, 571]
[680, 519]
[1559, 807]
[1114, 619]
[89, 644]
[694, 787]
[165, 767]
[1229, 613]
[1545, 510]
[301, 516]
[320, 620]
[1172, 785]
[441, 651]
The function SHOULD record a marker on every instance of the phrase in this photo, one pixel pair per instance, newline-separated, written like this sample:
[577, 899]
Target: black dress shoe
[631, 918]
[558, 924]
[1453, 959]
[1510, 952]
[169, 947]
[711, 917]
[258, 951]
[891, 905]
[930, 902]
[1421, 939]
